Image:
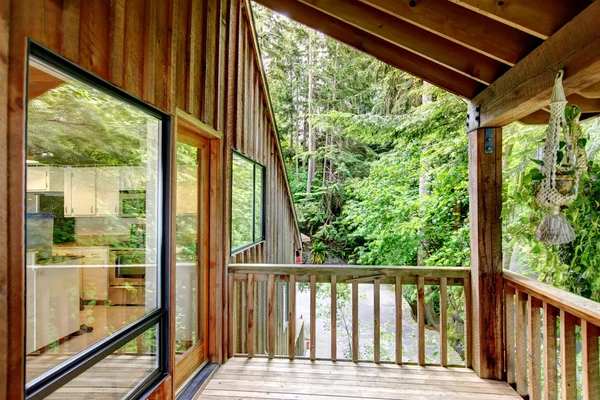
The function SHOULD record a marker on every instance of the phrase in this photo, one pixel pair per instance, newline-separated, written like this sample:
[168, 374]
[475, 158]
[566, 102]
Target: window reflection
[91, 216]
[246, 202]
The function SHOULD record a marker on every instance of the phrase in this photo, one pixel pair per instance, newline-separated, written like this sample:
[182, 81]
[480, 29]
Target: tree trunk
[312, 141]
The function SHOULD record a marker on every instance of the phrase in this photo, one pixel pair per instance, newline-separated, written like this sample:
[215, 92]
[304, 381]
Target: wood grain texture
[550, 353]
[521, 345]
[261, 378]
[292, 319]
[355, 322]
[540, 18]
[412, 38]
[250, 310]
[6, 375]
[509, 332]
[485, 207]
[534, 342]
[421, 320]
[484, 35]
[333, 317]
[398, 298]
[568, 356]
[576, 305]
[527, 86]
[376, 321]
[589, 350]
[271, 316]
[313, 317]
[444, 322]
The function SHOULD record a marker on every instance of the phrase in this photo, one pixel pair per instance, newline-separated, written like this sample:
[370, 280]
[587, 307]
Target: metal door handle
[92, 209]
[66, 210]
[116, 209]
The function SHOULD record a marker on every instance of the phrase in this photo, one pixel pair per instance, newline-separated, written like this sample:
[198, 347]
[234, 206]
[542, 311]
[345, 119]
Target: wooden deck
[260, 378]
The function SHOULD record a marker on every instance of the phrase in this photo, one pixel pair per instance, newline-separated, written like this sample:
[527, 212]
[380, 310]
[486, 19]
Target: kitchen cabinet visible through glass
[91, 216]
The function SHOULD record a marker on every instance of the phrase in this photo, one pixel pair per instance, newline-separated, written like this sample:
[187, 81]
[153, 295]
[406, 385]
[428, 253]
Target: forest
[378, 165]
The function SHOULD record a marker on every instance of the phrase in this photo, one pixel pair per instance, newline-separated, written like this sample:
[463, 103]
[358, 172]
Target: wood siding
[199, 56]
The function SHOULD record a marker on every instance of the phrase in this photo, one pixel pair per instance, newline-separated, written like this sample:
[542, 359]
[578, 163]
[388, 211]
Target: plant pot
[564, 183]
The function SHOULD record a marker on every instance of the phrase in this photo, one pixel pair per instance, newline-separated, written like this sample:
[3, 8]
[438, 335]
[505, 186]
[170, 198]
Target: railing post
[313, 317]
[550, 348]
[292, 317]
[568, 355]
[376, 321]
[271, 316]
[444, 322]
[333, 318]
[485, 204]
[398, 320]
[355, 321]
[421, 318]
[250, 306]
[589, 337]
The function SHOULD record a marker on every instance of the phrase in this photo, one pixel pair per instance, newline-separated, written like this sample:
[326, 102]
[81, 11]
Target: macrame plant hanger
[563, 165]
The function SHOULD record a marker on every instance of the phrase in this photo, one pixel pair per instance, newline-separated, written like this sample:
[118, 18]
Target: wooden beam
[527, 87]
[539, 117]
[591, 92]
[397, 57]
[412, 38]
[485, 198]
[492, 38]
[540, 18]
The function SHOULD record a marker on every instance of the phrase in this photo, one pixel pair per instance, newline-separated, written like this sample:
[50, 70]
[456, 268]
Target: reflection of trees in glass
[242, 197]
[75, 124]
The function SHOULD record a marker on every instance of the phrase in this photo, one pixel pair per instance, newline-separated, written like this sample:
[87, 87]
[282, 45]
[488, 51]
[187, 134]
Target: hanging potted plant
[563, 164]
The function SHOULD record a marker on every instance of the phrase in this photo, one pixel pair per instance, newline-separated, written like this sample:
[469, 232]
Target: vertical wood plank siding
[200, 56]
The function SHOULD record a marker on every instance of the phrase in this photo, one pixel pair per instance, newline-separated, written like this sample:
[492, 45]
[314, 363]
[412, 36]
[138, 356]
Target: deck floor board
[260, 378]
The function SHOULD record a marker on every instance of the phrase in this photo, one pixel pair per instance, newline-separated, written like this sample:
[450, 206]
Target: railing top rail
[354, 270]
[578, 306]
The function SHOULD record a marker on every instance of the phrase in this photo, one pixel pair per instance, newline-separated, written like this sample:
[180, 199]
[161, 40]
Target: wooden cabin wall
[200, 56]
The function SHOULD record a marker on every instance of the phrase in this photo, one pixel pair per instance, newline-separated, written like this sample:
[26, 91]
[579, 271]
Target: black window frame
[160, 317]
[262, 237]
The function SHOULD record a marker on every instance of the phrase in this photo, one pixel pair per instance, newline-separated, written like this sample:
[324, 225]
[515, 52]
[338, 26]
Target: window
[95, 233]
[247, 202]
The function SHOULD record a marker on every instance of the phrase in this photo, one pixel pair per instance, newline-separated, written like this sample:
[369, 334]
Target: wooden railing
[527, 304]
[242, 303]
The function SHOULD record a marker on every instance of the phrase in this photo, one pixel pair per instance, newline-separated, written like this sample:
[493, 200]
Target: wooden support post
[398, 320]
[444, 322]
[550, 349]
[568, 355]
[250, 305]
[355, 321]
[376, 321]
[421, 318]
[534, 355]
[313, 317]
[333, 318]
[485, 203]
[271, 316]
[292, 317]
[589, 338]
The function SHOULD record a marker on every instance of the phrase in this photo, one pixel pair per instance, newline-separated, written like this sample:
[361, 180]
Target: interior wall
[196, 55]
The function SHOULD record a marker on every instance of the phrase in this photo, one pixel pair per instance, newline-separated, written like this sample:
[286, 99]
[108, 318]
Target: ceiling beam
[541, 18]
[592, 91]
[527, 86]
[539, 117]
[484, 35]
[402, 59]
[412, 38]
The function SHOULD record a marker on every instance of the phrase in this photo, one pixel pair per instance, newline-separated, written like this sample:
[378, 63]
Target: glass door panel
[191, 253]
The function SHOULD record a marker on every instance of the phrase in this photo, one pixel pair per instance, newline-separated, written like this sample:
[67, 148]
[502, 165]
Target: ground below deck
[259, 378]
